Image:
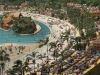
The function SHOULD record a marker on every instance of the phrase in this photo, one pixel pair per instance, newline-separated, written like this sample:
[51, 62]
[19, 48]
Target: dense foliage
[19, 67]
[82, 20]
[4, 57]
[11, 2]
[50, 3]
[24, 25]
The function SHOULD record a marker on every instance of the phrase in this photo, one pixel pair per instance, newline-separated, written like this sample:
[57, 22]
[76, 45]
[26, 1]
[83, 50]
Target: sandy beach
[38, 28]
[28, 48]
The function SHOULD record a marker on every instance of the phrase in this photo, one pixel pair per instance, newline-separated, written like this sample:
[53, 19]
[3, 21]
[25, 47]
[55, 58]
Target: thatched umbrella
[96, 43]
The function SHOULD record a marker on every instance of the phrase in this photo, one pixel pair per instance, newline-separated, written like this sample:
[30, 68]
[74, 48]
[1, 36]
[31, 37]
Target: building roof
[15, 14]
[6, 20]
[91, 9]
[97, 41]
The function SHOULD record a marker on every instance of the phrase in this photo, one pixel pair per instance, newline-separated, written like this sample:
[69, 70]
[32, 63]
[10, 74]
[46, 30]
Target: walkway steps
[92, 66]
[74, 65]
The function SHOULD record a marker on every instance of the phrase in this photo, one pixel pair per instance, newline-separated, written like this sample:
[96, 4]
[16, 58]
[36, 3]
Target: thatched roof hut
[96, 43]
[7, 21]
[96, 13]
[1, 7]
[16, 14]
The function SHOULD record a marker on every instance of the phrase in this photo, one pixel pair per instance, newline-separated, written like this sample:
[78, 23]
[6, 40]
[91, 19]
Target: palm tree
[33, 57]
[18, 67]
[62, 54]
[1, 21]
[6, 14]
[66, 35]
[11, 71]
[55, 54]
[52, 44]
[40, 57]
[3, 58]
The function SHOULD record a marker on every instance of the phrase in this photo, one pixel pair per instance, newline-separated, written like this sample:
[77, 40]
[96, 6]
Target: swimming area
[11, 37]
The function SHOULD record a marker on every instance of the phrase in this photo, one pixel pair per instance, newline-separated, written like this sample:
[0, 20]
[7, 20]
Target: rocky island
[19, 23]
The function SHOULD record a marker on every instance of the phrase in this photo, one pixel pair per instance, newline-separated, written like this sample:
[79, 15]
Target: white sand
[38, 28]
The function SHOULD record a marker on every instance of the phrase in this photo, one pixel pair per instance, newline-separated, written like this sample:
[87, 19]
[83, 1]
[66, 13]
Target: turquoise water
[11, 37]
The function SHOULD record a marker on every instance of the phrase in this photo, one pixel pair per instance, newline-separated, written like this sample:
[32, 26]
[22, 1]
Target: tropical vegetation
[50, 3]
[79, 17]
[19, 68]
[33, 58]
[4, 57]
[24, 25]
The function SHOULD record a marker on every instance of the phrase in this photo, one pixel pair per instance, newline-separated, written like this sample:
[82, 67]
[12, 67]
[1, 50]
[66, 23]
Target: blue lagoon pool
[11, 37]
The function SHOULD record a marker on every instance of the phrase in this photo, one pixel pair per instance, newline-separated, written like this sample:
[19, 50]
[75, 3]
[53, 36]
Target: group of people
[89, 59]
[77, 63]
[12, 48]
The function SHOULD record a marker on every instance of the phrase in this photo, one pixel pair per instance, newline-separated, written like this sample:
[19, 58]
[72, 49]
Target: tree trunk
[23, 72]
[34, 68]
